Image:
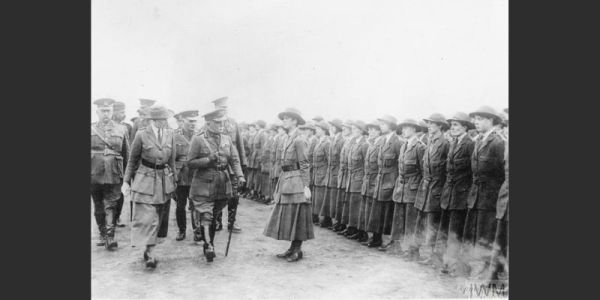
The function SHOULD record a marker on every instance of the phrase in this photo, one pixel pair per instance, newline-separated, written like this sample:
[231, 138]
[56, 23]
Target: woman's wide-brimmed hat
[462, 118]
[487, 112]
[294, 113]
[438, 119]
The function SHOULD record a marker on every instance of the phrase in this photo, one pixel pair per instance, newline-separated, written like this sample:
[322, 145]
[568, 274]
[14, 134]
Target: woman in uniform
[152, 162]
[291, 218]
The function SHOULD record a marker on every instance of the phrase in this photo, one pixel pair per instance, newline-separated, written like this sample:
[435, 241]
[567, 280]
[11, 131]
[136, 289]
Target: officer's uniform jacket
[333, 160]
[273, 173]
[434, 174]
[290, 186]
[108, 158]
[211, 179]
[356, 165]
[155, 184]
[312, 143]
[410, 171]
[387, 161]
[320, 161]
[371, 166]
[233, 131]
[502, 204]
[278, 154]
[487, 164]
[458, 174]
[182, 148]
[343, 171]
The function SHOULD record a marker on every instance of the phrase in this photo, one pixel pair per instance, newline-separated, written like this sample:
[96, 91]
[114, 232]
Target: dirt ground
[333, 267]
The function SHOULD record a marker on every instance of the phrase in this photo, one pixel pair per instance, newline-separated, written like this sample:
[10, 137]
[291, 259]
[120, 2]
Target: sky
[345, 59]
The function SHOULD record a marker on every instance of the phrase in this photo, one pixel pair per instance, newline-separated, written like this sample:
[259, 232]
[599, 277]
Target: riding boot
[101, 222]
[111, 244]
[207, 249]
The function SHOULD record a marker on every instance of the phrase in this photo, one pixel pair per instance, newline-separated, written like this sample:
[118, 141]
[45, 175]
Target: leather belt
[220, 168]
[153, 165]
[107, 152]
[183, 158]
[290, 168]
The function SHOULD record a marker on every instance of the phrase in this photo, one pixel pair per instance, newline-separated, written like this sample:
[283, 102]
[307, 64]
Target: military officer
[410, 174]
[152, 160]
[487, 164]
[382, 210]
[109, 155]
[211, 155]
[427, 201]
[356, 174]
[341, 205]
[233, 131]
[291, 217]
[119, 117]
[333, 160]
[320, 164]
[143, 111]
[370, 180]
[183, 141]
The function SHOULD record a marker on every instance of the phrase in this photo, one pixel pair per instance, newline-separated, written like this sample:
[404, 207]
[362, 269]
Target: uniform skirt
[352, 214]
[380, 218]
[290, 222]
[363, 213]
[319, 196]
[328, 208]
[339, 206]
[146, 223]
[404, 220]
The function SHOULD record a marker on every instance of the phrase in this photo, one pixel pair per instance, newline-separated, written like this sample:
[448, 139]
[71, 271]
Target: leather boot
[207, 248]
[150, 260]
[326, 222]
[363, 236]
[355, 236]
[315, 219]
[288, 252]
[296, 252]
[350, 231]
[387, 246]
[180, 236]
[111, 244]
[368, 241]
[376, 242]
[101, 222]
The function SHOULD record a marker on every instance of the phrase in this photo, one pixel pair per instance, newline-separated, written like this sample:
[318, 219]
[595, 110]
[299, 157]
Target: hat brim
[293, 115]
[417, 127]
[487, 115]
[444, 124]
[392, 125]
[468, 124]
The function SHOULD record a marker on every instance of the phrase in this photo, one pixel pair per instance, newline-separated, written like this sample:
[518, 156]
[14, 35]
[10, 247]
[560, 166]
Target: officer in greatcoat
[382, 210]
[427, 201]
[410, 174]
[109, 156]
[487, 165]
[211, 155]
[370, 180]
[455, 192]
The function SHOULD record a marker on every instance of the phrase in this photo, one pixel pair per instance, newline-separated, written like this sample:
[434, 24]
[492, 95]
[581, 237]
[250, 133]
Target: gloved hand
[307, 194]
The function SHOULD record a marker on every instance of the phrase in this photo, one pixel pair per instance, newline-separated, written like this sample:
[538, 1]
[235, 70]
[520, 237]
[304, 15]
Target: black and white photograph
[279, 149]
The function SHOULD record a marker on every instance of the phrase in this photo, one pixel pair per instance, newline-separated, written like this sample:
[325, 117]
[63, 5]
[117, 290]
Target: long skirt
[380, 218]
[403, 223]
[290, 222]
[449, 235]
[319, 196]
[426, 226]
[352, 214]
[478, 235]
[146, 223]
[328, 208]
[363, 213]
[339, 206]
[265, 186]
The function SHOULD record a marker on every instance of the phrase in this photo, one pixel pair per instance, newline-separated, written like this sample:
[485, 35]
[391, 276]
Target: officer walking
[211, 155]
[109, 155]
[152, 161]
[183, 141]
